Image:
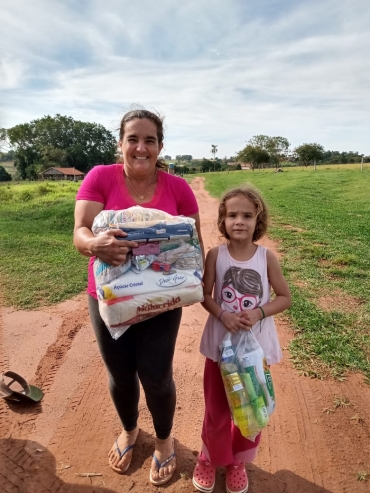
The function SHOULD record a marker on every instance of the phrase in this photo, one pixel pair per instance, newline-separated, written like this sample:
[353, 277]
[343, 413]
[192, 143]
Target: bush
[5, 194]
[4, 175]
[25, 195]
[43, 190]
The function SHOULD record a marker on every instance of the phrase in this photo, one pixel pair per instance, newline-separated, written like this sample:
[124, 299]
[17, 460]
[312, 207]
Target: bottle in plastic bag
[227, 361]
[241, 409]
[252, 370]
[256, 399]
[271, 402]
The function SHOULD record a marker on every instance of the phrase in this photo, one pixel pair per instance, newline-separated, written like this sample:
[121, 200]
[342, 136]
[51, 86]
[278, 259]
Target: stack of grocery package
[247, 381]
[164, 272]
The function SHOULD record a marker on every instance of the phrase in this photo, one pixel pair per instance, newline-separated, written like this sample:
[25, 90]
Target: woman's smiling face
[140, 147]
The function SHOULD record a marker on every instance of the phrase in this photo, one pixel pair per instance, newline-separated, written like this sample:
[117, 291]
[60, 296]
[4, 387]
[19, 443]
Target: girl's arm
[282, 299]
[232, 321]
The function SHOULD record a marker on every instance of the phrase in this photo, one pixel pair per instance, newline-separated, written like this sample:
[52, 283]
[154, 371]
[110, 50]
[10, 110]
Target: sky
[218, 71]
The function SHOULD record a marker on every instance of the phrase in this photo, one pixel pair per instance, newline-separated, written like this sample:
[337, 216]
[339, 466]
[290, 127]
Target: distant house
[243, 165]
[71, 174]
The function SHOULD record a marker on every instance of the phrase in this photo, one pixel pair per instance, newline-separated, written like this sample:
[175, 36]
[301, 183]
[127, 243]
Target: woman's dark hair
[255, 197]
[148, 115]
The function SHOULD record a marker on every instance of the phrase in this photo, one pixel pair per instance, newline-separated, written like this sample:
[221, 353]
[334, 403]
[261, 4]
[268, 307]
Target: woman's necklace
[142, 197]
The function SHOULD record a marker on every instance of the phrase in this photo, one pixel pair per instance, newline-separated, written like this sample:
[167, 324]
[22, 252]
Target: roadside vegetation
[320, 220]
[38, 263]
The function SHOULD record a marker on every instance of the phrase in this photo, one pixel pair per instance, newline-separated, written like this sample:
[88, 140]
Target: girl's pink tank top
[241, 286]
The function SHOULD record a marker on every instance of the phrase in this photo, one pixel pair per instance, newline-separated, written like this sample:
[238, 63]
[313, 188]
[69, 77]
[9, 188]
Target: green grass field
[38, 263]
[320, 219]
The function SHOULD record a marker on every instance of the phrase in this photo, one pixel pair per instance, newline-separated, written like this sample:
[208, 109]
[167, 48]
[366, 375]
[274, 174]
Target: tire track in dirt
[9, 421]
[23, 418]
[57, 352]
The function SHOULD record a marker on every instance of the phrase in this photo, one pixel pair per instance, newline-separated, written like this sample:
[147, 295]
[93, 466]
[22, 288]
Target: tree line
[59, 141]
[263, 150]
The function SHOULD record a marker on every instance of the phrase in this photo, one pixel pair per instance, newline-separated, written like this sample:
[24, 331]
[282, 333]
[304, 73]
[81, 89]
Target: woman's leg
[120, 360]
[155, 350]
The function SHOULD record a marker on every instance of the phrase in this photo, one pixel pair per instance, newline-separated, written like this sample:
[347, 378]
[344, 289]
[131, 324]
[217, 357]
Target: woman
[145, 351]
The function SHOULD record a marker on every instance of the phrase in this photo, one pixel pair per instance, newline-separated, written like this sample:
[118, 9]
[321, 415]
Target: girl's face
[240, 219]
[236, 302]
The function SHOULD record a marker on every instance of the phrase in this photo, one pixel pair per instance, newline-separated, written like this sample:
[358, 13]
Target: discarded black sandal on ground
[29, 393]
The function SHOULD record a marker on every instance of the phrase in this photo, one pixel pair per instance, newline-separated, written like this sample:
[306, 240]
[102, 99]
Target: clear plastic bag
[248, 383]
[164, 272]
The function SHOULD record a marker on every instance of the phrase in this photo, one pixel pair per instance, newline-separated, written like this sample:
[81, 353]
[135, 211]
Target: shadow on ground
[282, 481]
[27, 467]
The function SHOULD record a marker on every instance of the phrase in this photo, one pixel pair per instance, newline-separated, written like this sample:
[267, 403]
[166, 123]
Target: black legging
[145, 351]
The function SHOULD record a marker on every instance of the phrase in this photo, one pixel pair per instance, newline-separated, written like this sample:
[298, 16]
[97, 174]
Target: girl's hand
[110, 250]
[234, 322]
[252, 316]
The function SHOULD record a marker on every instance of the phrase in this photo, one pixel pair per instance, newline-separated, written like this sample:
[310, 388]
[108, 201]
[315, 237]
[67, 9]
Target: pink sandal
[204, 476]
[236, 478]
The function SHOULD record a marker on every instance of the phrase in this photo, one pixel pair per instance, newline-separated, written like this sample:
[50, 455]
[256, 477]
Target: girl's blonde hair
[255, 197]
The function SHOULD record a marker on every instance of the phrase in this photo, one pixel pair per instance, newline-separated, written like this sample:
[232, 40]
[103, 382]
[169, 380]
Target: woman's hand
[109, 249]
[234, 322]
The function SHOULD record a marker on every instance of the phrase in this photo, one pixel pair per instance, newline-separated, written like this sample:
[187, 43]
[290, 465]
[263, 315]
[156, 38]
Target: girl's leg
[216, 431]
[222, 441]
[204, 475]
[242, 452]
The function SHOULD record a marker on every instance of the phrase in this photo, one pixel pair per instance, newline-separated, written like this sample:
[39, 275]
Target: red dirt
[317, 441]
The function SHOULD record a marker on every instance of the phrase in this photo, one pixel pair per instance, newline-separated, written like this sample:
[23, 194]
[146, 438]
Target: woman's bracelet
[219, 317]
[263, 312]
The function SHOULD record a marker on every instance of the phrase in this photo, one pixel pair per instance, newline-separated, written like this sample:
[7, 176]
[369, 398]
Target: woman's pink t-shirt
[106, 184]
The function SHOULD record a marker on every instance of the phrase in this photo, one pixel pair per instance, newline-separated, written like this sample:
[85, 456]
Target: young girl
[239, 274]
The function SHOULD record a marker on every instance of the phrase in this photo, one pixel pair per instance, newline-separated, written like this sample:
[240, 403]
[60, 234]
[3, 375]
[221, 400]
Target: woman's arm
[104, 246]
[232, 321]
[282, 299]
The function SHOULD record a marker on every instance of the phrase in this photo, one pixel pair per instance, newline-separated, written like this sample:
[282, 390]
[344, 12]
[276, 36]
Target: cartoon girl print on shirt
[241, 290]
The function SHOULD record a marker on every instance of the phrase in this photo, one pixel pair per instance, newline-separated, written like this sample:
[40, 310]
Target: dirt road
[318, 440]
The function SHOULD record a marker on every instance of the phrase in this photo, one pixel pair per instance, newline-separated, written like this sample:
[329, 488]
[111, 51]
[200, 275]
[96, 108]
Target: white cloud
[220, 74]
[11, 73]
